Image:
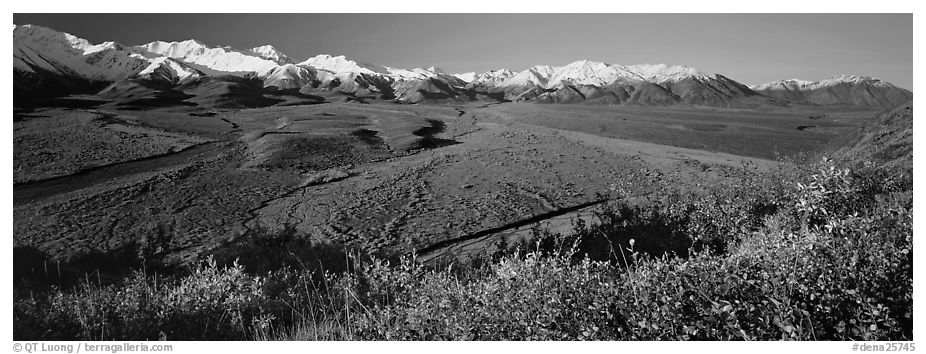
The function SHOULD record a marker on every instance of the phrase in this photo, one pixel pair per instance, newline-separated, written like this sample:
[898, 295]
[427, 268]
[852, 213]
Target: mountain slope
[709, 91]
[227, 92]
[886, 143]
[289, 76]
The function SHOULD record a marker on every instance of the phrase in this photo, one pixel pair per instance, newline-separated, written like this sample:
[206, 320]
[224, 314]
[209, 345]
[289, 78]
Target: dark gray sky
[750, 48]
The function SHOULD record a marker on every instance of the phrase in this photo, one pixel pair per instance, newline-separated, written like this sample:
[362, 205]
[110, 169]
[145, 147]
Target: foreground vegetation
[829, 257]
[818, 250]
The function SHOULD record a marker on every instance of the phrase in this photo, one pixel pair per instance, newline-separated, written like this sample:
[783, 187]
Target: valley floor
[382, 176]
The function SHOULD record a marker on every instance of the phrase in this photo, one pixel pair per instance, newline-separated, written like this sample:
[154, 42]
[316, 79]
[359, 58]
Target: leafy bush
[210, 303]
[261, 250]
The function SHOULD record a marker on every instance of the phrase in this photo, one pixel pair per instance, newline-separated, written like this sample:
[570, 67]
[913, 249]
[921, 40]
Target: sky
[750, 48]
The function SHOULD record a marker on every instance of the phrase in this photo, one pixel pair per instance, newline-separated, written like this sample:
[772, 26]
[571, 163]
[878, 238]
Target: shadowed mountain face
[708, 91]
[50, 64]
[40, 86]
[647, 94]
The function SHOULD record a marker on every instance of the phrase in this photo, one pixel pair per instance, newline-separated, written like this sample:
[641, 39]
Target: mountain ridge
[57, 62]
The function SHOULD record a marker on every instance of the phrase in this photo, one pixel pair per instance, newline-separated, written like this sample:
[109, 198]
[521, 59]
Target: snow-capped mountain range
[798, 84]
[52, 62]
[37, 49]
[843, 89]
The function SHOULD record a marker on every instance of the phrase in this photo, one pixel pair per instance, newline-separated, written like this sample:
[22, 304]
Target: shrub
[210, 303]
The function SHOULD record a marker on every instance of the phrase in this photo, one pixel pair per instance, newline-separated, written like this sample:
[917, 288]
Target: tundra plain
[380, 176]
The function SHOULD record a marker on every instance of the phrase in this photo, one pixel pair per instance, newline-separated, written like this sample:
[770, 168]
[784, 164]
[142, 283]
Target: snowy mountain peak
[408, 74]
[42, 54]
[852, 79]
[542, 69]
[468, 77]
[415, 74]
[181, 48]
[493, 77]
[341, 65]
[497, 73]
[287, 68]
[585, 66]
[587, 72]
[103, 46]
[538, 75]
[288, 76]
[194, 42]
[271, 53]
[63, 54]
[45, 36]
[186, 46]
[218, 58]
[660, 73]
[36, 47]
[790, 85]
[800, 82]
